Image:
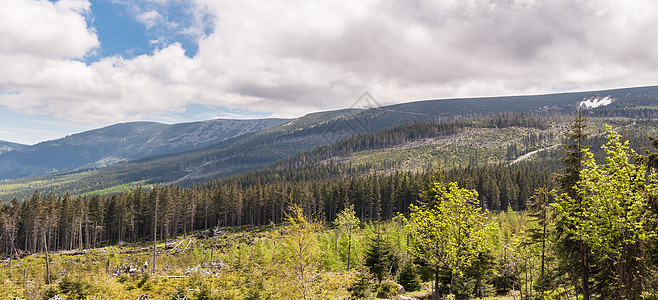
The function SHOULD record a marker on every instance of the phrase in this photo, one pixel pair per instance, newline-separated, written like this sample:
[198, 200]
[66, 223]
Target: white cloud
[45, 29]
[151, 18]
[292, 57]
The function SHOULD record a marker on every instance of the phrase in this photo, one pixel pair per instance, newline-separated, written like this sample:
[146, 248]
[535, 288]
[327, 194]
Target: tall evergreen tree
[574, 254]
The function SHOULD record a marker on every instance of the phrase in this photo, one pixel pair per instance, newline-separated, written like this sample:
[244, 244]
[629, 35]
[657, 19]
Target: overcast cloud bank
[289, 58]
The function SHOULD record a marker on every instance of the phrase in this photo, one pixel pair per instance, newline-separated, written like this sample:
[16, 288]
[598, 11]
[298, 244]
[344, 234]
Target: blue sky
[75, 65]
[118, 31]
[121, 33]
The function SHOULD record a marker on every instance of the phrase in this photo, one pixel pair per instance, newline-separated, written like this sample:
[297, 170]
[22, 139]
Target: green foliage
[298, 254]
[449, 230]
[409, 277]
[611, 217]
[387, 290]
[363, 287]
[381, 258]
[71, 288]
[347, 221]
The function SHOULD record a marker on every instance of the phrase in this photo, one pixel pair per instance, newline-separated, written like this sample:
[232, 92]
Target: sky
[72, 65]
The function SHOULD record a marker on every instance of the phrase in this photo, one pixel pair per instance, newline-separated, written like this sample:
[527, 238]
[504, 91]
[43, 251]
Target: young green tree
[612, 215]
[448, 231]
[299, 255]
[347, 222]
[409, 277]
[380, 256]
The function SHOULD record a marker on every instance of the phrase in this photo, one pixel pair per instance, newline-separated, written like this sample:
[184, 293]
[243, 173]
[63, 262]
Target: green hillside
[474, 144]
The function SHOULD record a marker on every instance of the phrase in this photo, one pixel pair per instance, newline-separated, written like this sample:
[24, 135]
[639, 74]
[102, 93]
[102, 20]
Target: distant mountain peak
[9, 146]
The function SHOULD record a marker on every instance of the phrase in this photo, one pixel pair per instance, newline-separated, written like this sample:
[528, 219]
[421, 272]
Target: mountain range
[125, 155]
[120, 142]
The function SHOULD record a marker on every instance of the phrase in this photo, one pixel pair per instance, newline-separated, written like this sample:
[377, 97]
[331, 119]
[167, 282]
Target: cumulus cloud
[45, 29]
[293, 57]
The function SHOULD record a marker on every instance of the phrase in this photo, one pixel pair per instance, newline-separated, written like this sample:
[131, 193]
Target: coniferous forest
[328, 150]
[580, 223]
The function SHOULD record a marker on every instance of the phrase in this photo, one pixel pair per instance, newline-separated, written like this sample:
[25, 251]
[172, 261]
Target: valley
[227, 213]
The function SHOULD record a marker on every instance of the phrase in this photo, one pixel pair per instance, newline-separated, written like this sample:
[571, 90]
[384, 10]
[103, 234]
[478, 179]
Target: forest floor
[219, 264]
[188, 267]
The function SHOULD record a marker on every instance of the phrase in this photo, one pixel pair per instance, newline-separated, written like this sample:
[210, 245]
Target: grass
[124, 188]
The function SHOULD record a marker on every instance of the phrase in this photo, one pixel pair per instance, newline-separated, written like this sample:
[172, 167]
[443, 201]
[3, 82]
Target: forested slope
[253, 151]
[122, 142]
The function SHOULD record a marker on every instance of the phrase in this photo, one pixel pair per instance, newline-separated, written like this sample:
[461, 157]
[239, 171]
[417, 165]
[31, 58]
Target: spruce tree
[409, 277]
[380, 256]
[574, 254]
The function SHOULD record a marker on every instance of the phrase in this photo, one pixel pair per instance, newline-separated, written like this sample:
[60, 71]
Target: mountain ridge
[6, 146]
[121, 142]
[257, 149]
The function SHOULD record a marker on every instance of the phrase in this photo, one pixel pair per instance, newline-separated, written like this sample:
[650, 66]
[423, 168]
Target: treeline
[410, 132]
[258, 198]
[634, 113]
[66, 222]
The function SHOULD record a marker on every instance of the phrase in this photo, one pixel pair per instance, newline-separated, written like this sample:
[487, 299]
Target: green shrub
[363, 287]
[74, 289]
[388, 289]
[143, 280]
[123, 278]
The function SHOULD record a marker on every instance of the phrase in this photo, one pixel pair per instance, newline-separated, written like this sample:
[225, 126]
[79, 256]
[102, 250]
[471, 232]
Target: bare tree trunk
[87, 231]
[349, 250]
[155, 228]
[543, 254]
[80, 245]
[525, 262]
[435, 296]
[585, 265]
[47, 259]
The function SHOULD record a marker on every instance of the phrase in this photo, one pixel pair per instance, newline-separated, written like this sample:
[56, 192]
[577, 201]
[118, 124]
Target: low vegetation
[510, 230]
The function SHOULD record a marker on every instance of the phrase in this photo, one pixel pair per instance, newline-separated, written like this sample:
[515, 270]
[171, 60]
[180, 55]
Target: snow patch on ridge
[595, 102]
